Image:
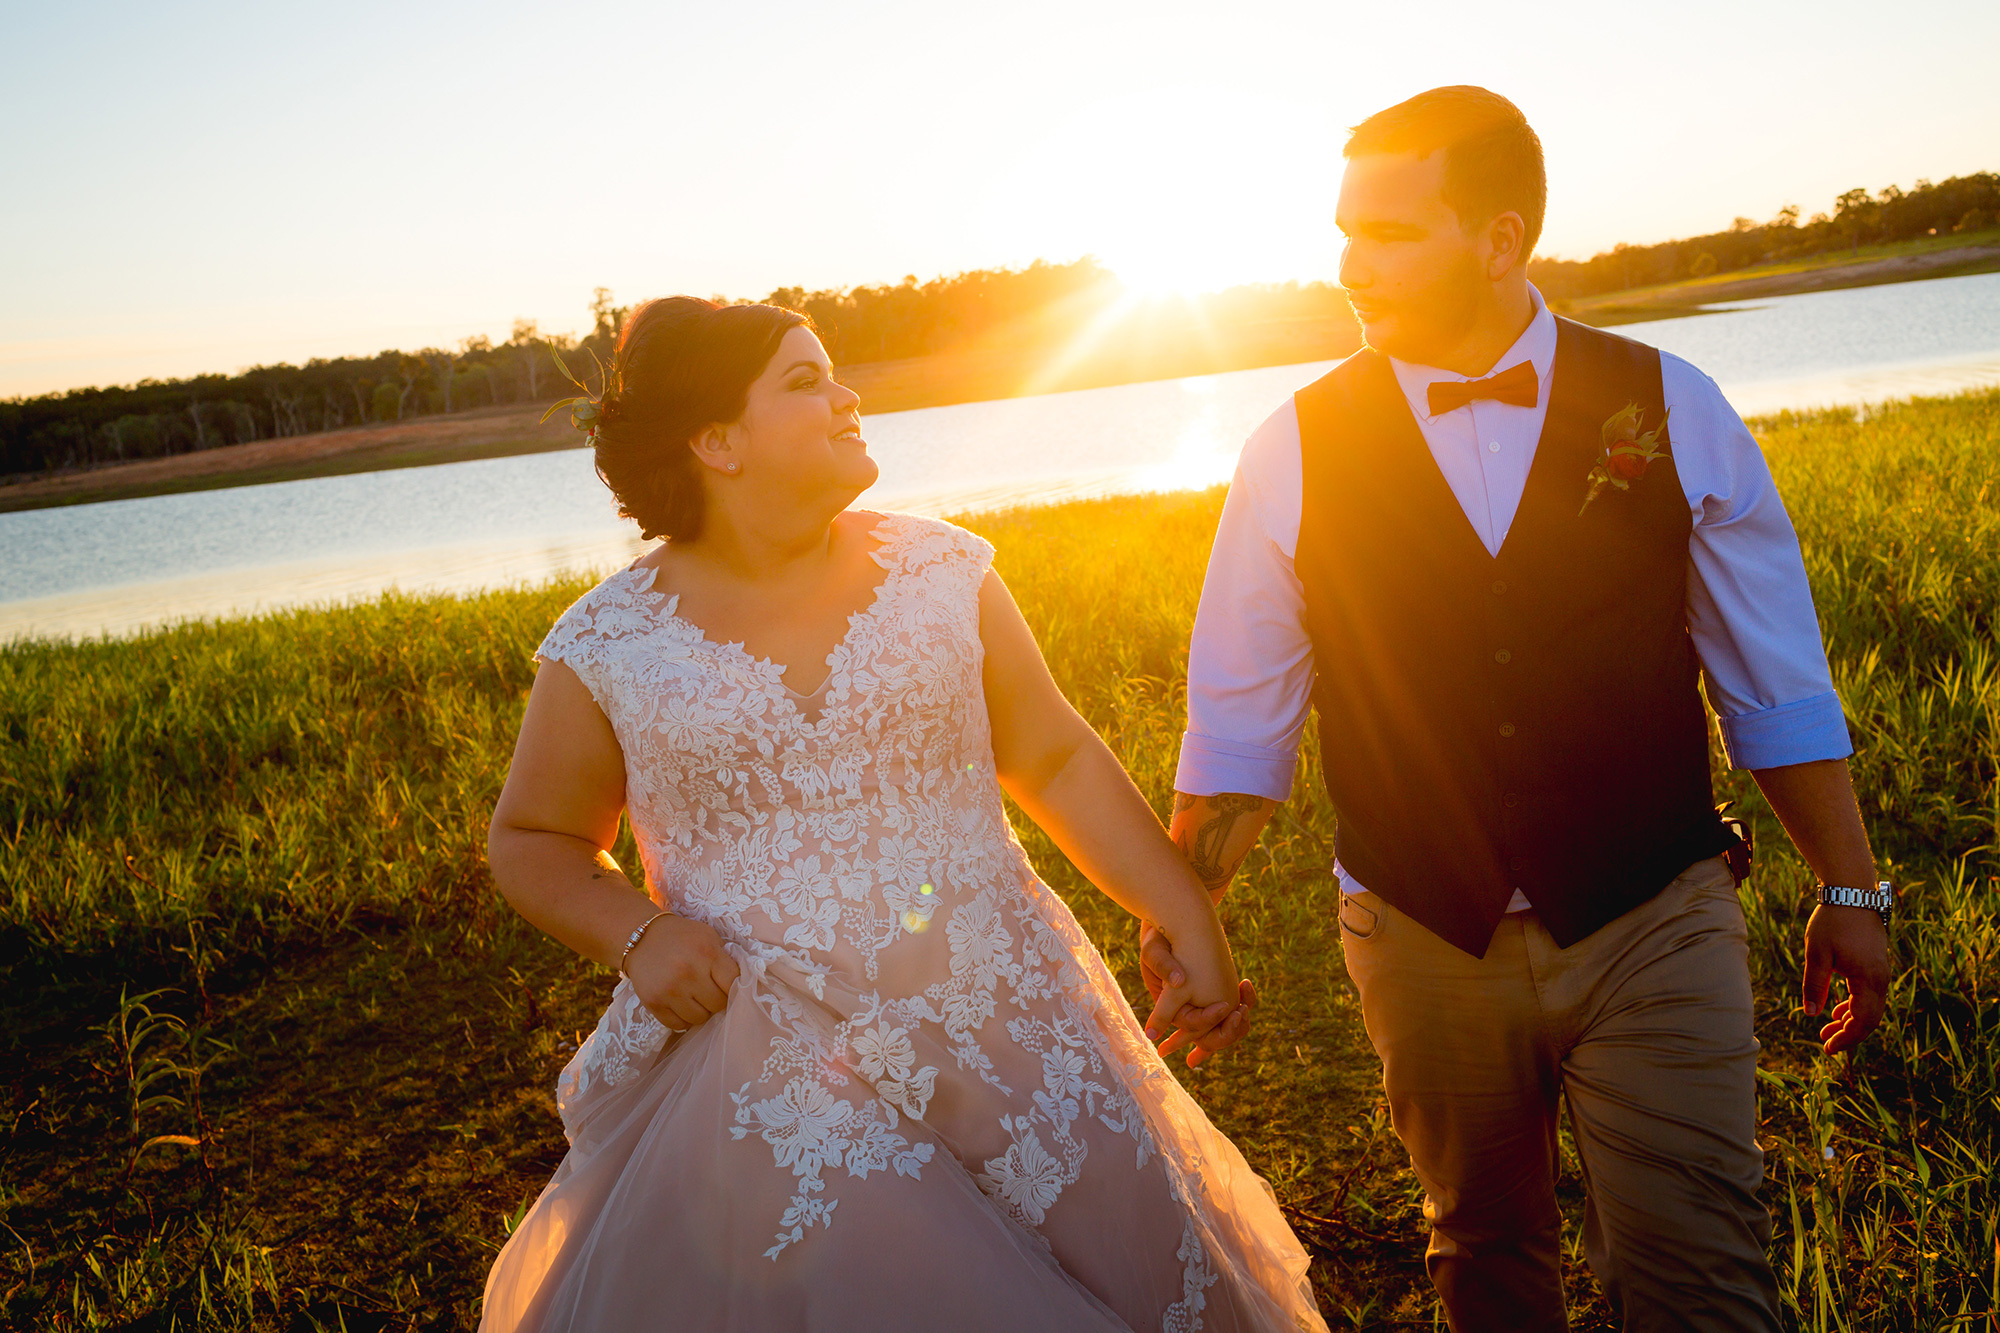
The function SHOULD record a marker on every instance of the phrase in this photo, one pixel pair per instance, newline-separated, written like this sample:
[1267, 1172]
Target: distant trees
[155, 418]
[911, 318]
[605, 319]
[88, 427]
[530, 351]
[1961, 204]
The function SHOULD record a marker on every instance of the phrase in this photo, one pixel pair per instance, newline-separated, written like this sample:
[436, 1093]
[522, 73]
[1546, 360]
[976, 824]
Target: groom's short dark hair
[1492, 157]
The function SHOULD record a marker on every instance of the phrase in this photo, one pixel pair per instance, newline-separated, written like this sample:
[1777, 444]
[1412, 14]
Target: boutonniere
[1627, 453]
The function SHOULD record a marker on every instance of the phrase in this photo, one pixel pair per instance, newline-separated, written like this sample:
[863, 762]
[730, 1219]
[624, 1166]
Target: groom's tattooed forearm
[1205, 844]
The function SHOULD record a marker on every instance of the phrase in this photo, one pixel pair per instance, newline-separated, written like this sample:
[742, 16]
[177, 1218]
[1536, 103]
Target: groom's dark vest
[1529, 720]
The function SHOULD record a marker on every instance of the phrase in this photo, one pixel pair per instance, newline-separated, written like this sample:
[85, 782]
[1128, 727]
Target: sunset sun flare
[1179, 191]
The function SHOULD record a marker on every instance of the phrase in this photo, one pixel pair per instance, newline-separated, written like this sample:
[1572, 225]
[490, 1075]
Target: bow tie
[1515, 385]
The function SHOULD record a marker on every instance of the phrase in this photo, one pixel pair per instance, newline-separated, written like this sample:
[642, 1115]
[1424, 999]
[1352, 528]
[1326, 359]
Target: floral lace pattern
[860, 867]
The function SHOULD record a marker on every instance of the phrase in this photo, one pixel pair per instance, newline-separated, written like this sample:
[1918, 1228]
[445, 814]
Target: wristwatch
[1881, 898]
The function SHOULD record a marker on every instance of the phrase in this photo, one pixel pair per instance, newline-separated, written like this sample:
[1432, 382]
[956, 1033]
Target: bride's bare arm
[550, 848]
[1063, 775]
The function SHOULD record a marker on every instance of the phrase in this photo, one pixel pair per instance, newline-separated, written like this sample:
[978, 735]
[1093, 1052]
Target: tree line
[153, 418]
[1960, 205]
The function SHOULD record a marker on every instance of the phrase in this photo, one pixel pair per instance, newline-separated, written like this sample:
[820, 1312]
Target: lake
[124, 565]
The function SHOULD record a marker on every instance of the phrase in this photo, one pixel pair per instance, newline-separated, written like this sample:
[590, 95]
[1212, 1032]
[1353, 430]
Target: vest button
[1511, 800]
[1499, 587]
[1506, 728]
[1503, 657]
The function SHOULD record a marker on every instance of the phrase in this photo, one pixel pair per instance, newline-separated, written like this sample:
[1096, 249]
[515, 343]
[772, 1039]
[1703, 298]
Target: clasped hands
[1176, 1022]
[682, 974]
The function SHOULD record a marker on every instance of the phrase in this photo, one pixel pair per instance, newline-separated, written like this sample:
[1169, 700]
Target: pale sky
[206, 186]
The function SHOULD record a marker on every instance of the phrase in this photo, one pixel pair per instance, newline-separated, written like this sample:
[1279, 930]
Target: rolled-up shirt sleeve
[1749, 606]
[1250, 668]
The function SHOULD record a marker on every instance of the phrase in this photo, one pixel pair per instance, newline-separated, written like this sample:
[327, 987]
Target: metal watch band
[1881, 898]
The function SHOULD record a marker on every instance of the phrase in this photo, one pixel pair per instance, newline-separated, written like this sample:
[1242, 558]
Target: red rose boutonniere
[1627, 453]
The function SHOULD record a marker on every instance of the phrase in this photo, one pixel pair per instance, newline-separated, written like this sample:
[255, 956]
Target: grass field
[277, 1057]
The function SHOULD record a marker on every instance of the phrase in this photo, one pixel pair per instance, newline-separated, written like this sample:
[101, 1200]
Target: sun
[1157, 268]
[1185, 246]
[1180, 191]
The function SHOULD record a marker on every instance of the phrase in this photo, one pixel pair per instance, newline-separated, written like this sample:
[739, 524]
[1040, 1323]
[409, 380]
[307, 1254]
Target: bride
[862, 1069]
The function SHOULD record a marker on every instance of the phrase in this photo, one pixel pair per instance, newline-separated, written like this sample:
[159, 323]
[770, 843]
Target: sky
[203, 186]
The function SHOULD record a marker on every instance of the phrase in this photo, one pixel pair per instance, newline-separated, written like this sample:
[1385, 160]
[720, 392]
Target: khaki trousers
[1645, 1028]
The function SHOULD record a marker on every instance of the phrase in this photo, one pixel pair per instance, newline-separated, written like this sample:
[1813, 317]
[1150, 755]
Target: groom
[1495, 550]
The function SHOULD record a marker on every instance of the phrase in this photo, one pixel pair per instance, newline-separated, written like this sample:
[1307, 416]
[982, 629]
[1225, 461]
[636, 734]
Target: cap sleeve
[919, 543]
[563, 641]
[578, 640]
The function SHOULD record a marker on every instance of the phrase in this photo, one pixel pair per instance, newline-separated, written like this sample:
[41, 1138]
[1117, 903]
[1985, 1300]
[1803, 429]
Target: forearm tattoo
[1204, 844]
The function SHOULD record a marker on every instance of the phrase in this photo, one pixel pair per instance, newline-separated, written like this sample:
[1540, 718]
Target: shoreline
[121, 612]
[1014, 367]
[1877, 266]
[1028, 362]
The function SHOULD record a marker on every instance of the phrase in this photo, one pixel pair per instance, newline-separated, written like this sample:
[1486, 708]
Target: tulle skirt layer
[692, 1199]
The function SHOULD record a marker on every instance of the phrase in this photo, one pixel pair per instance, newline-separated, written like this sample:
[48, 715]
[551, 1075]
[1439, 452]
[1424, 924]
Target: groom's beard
[1426, 323]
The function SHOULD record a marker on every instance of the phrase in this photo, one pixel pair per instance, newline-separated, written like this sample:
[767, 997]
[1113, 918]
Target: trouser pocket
[1358, 919]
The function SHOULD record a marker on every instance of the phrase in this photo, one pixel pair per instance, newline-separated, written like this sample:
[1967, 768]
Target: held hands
[681, 972]
[1206, 1018]
[1854, 942]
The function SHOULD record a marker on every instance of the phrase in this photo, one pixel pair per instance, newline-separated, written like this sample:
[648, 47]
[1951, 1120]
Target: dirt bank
[1815, 275]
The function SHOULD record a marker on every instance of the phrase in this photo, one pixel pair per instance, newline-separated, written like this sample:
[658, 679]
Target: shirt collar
[1537, 344]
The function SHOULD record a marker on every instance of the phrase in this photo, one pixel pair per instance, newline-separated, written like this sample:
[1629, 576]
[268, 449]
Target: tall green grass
[282, 819]
[1883, 1172]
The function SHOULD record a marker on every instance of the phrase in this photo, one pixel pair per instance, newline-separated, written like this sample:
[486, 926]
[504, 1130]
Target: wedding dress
[926, 1105]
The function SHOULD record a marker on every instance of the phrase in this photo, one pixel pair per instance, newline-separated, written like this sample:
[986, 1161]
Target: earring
[732, 466]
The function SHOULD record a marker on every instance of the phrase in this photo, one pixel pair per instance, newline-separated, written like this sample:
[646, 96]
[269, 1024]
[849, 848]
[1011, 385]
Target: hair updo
[682, 364]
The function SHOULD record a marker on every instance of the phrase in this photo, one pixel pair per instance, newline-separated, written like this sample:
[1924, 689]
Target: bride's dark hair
[682, 364]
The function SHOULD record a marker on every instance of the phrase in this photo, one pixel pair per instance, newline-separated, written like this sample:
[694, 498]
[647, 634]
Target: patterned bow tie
[1516, 385]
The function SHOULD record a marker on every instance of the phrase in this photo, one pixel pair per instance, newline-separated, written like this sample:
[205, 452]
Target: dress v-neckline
[884, 554]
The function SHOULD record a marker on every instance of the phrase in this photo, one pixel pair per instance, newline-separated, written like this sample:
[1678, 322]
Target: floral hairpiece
[586, 410]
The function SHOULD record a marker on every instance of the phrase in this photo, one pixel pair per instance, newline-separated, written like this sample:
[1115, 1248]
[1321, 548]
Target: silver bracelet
[633, 942]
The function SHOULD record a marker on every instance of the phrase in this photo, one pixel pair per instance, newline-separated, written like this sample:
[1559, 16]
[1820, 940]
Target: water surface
[123, 565]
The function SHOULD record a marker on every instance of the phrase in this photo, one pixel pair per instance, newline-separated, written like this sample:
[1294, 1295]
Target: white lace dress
[927, 1105]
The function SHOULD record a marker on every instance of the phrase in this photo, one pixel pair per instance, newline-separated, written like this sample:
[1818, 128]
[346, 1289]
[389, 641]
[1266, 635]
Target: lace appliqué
[860, 866]
[626, 1036]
